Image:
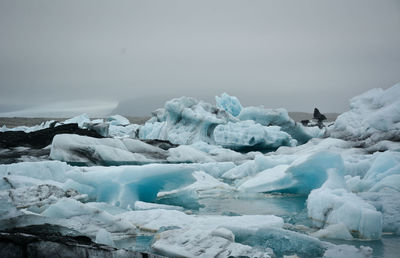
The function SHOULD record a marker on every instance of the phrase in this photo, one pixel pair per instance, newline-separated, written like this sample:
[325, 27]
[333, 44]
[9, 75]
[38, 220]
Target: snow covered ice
[223, 180]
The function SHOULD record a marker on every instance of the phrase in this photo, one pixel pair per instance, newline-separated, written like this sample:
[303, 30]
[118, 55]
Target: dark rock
[162, 144]
[47, 241]
[318, 116]
[41, 138]
[14, 155]
[305, 122]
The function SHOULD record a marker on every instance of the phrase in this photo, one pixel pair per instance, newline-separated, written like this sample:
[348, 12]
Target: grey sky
[292, 54]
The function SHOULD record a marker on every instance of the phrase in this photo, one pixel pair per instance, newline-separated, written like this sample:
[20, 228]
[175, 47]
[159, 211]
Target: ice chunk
[335, 231]
[128, 131]
[265, 116]
[121, 186]
[45, 170]
[244, 134]
[385, 164]
[184, 121]
[387, 202]
[374, 116]
[333, 204]
[282, 242]
[28, 129]
[188, 154]
[260, 163]
[383, 172]
[104, 237]
[228, 103]
[205, 185]
[151, 206]
[87, 219]
[153, 220]
[80, 120]
[88, 150]
[221, 154]
[279, 117]
[202, 243]
[115, 151]
[303, 175]
[117, 120]
[38, 198]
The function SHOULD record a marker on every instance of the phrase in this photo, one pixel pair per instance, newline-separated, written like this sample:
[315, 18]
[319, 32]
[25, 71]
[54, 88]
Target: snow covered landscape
[201, 179]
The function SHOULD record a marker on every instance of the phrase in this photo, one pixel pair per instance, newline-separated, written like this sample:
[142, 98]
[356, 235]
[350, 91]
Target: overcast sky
[292, 54]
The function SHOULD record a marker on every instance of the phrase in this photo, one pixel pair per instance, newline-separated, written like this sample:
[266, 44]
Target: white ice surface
[333, 204]
[373, 116]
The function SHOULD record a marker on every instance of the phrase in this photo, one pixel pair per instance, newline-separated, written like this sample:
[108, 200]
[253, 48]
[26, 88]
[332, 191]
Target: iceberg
[302, 176]
[374, 116]
[333, 204]
[186, 121]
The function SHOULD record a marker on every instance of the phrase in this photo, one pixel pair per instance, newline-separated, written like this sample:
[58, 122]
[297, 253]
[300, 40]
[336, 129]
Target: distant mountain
[65, 109]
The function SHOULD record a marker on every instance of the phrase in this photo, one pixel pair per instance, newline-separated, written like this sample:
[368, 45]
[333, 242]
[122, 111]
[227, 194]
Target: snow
[228, 103]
